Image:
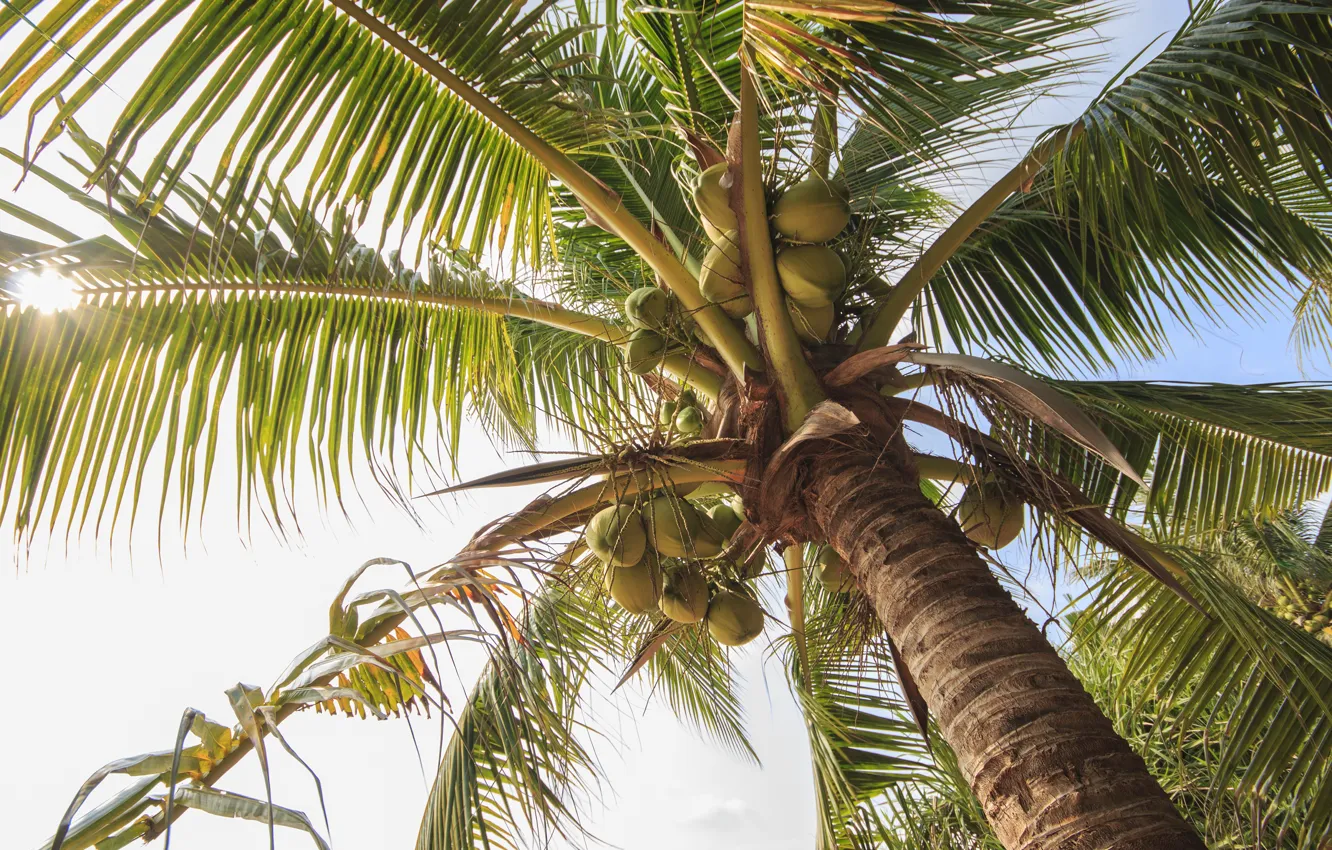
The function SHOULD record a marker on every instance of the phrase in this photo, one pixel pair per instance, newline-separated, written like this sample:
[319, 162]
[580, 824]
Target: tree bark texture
[1045, 763]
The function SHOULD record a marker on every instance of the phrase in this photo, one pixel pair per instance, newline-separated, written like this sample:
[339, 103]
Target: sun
[48, 292]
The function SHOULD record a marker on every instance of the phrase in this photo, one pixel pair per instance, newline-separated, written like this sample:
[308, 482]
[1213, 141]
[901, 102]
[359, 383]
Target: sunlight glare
[49, 293]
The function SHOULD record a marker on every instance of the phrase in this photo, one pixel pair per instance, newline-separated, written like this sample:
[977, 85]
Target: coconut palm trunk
[1043, 760]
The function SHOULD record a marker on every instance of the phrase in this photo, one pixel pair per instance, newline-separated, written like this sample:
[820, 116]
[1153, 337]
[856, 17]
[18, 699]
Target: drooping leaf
[1212, 452]
[515, 761]
[1034, 398]
[1240, 691]
[230, 805]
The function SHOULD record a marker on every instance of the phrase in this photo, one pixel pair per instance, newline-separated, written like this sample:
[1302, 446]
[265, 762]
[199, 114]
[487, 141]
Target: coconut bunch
[654, 315]
[683, 415]
[1308, 608]
[662, 555]
[806, 217]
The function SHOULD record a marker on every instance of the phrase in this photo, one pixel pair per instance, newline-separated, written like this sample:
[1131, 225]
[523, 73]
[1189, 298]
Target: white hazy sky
[108, 645]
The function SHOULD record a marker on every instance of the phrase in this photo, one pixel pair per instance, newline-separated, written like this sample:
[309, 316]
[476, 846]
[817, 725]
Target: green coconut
[647, 307]
[724, 256]
[989, 517]
[684, 595]
[688, 421]
[644, 351]
[813, 275]
[833, 574]
[709, 542]
[755, 565]
[636, 589]
[672, 524]
[666, 415]
[812, 324]
[726, 519]
[714, 202]
[721, 281]
[734, 619]
[813, 210]
[616, 535]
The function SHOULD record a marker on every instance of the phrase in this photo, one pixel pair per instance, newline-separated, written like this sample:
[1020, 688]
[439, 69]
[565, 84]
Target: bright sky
[108, 645]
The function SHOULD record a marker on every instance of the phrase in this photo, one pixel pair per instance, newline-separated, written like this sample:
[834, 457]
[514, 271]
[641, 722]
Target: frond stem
[899, 301]
[544, 513]
[937, 468]
[794, 558]
[797, 385]
[908, 383]
[543, 312]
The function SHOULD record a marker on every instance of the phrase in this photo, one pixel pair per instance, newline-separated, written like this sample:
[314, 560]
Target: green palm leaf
[1212, 452]
[330, 354]
[692, 49]
[1192, 186]
[698, 685]
[515, 760]
[863, 741]
[923, 75]
[1240, 691]
[313, 90]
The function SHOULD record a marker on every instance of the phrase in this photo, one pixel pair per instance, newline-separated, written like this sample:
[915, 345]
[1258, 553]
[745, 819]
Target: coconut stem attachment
[688, 372]
[909, 383]
[899, 301]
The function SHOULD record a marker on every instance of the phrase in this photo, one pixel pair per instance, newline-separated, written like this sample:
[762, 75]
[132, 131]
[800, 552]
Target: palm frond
[1196, 184]
[335, 355]
[697, 681]
[692, 51]
[515, 761]
[1312, 332]
[927, 80]
[308, 88]
[1211, 452]
[1239, 698]
[366, 662]
[863, 742]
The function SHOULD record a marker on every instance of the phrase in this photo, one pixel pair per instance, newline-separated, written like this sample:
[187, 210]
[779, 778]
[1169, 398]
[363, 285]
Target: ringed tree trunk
[1045, 763]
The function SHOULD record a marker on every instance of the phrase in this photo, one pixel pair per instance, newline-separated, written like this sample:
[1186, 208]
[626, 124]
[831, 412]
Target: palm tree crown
[708, 241]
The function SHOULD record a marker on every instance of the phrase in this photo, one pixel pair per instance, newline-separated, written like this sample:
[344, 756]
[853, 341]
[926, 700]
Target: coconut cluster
[650, 310]
[1306, 607]
[684, 416]
[661, 554]
[808, 215]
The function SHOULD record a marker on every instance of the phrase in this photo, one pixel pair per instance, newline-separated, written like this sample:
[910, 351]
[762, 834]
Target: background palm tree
[1198, 180]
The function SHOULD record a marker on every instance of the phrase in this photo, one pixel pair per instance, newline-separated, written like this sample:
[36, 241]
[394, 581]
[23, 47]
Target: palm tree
[692, 163]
